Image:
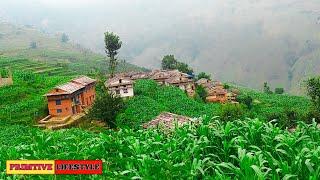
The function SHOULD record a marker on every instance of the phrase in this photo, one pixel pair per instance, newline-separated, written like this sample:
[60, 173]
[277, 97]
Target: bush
[279, 91]
[202, 93]
[247, 100]
[106, 107]
[231, 112]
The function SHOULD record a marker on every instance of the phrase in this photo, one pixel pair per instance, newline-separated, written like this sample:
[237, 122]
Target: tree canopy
[169, 62]
[112, 45]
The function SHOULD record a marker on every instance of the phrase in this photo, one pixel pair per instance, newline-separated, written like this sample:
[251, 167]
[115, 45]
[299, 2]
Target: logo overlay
[54, 167]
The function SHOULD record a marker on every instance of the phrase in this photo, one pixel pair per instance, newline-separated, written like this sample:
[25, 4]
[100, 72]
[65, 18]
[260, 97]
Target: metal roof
[84, 80]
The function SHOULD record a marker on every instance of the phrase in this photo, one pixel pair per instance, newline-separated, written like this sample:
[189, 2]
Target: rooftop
[167, 120]
[84, 80]
[68, 88]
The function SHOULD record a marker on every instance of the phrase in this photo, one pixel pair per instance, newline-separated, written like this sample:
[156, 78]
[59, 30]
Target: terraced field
[38, 67]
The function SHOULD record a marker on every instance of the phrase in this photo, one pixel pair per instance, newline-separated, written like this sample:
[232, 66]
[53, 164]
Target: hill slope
[15, 42]
[213, 147]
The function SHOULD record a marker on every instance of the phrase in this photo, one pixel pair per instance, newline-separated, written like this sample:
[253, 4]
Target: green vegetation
[106, 108]
[151, 99]
[241, 149]
[266, 88]
[23, 102]
[64, 38]
[204, 75]
[279, 90]
[231, 146]
[112, 45]
[169, 63]
[50, 50]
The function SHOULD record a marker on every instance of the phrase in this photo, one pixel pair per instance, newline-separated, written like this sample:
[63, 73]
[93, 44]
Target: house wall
[88, 96]
[66, 107]
[129, 94]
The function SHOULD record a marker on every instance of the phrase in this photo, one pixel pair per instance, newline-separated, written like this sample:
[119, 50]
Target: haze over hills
[242, 41]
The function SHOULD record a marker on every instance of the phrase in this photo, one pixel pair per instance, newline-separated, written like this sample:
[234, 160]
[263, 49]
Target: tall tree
[266, 88]
[64, 38]
[112, 45]
[313, 90]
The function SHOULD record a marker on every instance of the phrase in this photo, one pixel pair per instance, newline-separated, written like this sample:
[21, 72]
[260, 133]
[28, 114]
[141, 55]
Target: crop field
[23, 102]
[151, 99]
[241, 148]
[37, 67]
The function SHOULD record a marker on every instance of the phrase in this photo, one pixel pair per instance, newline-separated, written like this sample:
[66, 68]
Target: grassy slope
[238, 149]
[151, 99]
[15, 42]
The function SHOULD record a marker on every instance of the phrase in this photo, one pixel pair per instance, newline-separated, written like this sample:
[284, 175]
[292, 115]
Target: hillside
[15, 42]
[236, 147]
[246, 42]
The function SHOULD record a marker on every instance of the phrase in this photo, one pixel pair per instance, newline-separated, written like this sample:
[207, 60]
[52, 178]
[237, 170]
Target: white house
[120, 86]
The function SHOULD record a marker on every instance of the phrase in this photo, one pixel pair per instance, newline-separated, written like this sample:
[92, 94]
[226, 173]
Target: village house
[71, 98]
[121, 86]
[183, 82]
[205, 83]
[160, 76]
[6, 81]
[217, 94]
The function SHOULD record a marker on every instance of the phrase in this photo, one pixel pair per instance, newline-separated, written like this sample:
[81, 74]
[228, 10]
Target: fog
[242, 41]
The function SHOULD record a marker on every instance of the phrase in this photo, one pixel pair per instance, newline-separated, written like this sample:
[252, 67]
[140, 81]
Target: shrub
[231, 112]
[247, 100]
[106, 107]
[279, 91]
[202, 93]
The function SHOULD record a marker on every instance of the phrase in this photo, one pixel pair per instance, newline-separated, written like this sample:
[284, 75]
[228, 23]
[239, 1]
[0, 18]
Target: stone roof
[167, 120]
[178, 80]
[84, 80]
[203, 81]
[217, 90]
[127, 81]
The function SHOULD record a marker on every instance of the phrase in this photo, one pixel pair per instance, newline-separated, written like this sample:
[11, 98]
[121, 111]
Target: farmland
[212, 147]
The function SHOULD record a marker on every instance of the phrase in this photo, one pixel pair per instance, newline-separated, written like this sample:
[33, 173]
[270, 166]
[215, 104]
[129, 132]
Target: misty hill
[242, 41]
[26, 42]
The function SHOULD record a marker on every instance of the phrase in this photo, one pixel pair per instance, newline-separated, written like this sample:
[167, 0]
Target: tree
[112, 45]
[64, 38]
[313, 90]
[33, 45]
[204, 75]
[266, 88]
[183, 67]
[202, 93]
[279, 90]
[169, 62]
[247, 100]
[106, 107]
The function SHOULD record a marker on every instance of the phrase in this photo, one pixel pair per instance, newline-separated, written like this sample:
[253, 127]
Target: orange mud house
[71, 98]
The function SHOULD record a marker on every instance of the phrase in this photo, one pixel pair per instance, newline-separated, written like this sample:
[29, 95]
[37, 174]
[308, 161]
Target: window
[58, 102]
[59, 110]
[125, 91]
[117, 91]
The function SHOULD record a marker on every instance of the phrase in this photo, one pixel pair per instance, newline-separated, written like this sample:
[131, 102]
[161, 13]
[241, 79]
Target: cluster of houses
[216, 91]
[6, 81]
[73, 98]
[122, 84]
